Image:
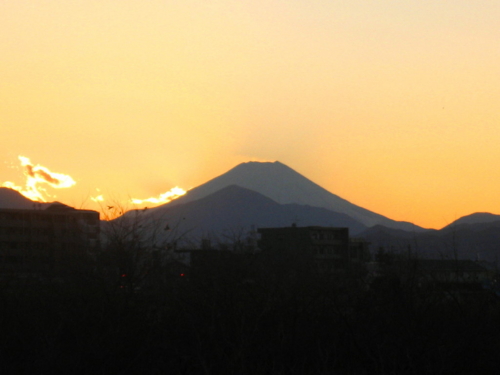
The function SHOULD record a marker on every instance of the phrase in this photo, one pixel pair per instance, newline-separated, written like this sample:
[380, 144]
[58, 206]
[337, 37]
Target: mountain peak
[260, 166]
[284, 185]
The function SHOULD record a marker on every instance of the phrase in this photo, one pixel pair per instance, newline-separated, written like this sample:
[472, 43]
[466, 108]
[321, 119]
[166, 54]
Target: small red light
[124, 275]
[182, 274]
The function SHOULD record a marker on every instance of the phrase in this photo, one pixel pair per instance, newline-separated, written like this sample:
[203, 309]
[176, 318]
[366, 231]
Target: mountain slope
[235, 209]
[285, 186]
[463, 241]
[10, 198]
[475, 218]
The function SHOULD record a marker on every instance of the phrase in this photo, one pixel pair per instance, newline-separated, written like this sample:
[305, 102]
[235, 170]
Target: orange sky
[392, 105]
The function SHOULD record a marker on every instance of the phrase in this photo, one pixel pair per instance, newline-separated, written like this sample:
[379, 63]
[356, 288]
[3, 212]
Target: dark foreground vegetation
[244, 315]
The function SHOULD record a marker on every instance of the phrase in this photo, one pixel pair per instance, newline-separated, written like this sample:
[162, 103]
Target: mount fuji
[284, 186]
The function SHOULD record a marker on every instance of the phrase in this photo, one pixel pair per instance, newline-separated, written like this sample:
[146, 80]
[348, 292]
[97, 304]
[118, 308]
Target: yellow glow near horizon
[35, 175]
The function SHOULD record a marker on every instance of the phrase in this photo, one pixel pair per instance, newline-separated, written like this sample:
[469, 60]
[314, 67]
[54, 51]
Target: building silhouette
[328, 249]
[44, 240]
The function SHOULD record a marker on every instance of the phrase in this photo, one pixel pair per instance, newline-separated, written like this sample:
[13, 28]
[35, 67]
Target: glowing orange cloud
[99, 198]
[36, 175]
[170, 195]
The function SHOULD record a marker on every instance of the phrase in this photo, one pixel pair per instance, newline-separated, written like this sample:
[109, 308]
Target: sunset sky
[392, 105]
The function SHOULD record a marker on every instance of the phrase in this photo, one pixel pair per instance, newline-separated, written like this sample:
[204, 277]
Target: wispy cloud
[170, 195]
[37, 176]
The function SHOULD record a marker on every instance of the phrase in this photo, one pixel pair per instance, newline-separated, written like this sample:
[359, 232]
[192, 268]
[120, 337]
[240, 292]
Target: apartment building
[43, 239]
[329, 248]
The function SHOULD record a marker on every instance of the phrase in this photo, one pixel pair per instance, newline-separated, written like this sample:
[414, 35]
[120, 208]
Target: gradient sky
[392, 105]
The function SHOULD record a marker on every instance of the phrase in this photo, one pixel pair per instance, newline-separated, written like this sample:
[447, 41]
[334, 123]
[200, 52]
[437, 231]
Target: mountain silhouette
[466, 238]
[475, 218]
[285, 186]
[10, 198]
[234, 209]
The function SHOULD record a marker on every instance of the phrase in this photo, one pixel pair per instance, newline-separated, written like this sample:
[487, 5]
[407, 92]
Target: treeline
[245, 314]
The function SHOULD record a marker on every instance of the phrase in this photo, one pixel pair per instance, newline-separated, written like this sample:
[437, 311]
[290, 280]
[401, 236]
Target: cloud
[99, 198]
[170, 195]
[36, 175]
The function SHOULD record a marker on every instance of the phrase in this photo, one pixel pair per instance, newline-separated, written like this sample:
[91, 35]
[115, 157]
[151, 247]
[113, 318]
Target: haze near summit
[391, 106]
